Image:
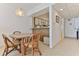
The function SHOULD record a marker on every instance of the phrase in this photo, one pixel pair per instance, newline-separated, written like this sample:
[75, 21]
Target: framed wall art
[57, 19]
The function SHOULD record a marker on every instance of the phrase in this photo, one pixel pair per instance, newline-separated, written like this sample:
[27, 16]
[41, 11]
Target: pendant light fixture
[19, 12]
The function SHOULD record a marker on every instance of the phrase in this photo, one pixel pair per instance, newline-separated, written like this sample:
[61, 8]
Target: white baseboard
[70, 37]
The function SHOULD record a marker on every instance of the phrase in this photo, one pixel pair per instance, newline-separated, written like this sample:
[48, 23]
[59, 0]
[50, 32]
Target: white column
[50, 26]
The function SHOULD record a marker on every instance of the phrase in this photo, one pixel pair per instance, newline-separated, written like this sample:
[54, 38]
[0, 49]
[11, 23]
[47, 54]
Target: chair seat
[28, 44]
[16, 42]
[10, 45]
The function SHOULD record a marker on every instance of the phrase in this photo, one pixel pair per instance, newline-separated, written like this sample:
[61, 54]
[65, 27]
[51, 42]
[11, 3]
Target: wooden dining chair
[9, 45]
[16, 33]
[34, 43]
[17, 40]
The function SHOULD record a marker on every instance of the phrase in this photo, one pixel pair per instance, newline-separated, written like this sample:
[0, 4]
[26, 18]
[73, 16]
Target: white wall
[57, 29]
[71, 27]
[9, 22]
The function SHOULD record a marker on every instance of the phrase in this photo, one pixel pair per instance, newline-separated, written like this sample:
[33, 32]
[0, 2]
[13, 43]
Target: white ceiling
[24, 6]
[43, 14]
[69, 9]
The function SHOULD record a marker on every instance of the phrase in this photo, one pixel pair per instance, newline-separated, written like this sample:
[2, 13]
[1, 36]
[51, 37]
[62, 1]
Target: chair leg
[4, 52]
[11, 50]
[25, 50]
[33, 51]
[39, 52]
[18, 48]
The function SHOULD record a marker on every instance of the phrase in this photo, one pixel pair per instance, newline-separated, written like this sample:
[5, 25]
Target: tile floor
[68, 47]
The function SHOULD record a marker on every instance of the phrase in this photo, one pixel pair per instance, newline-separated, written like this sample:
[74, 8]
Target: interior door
[62, 29]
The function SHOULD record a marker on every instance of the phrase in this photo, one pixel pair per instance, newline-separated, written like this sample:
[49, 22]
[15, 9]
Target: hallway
[69, 47]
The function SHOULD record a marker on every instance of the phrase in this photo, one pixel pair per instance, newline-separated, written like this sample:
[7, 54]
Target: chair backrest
[16, 32]
[35, 40]
[7, 41]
